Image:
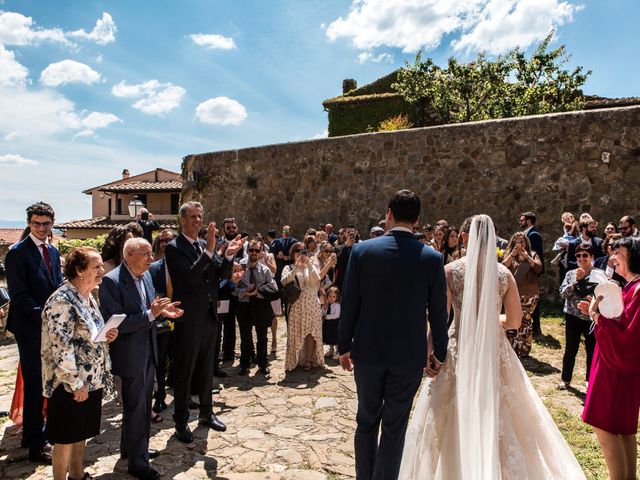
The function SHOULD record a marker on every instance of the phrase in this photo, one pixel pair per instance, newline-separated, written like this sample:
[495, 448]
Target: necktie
[196, 245]
[169, 284]
[47, 258]
[252, 276]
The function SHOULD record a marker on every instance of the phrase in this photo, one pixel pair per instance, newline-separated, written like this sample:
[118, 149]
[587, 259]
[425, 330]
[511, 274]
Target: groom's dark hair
[405, 206]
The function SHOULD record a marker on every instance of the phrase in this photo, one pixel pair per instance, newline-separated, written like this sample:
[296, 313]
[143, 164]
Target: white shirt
[141, 291]
[210, 254]
[38, 243]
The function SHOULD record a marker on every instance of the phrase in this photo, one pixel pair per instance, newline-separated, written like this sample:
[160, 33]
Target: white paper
[223, 306]
[277, 307]
[114, 322]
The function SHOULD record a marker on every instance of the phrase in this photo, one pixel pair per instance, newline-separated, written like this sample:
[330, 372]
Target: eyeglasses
[40, 224]
[254, 250]
[582, 255]
[144, 254]
[328, 251]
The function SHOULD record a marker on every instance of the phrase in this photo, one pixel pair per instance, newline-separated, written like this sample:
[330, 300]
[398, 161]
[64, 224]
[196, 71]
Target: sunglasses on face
[254, 250]
[582, 255]
[328, 251]
[229, 220]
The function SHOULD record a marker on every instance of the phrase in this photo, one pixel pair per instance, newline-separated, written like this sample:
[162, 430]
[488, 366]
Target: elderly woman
[304, 335]
[525, 265]
[613, 396]
[74, 367]
[574, 289]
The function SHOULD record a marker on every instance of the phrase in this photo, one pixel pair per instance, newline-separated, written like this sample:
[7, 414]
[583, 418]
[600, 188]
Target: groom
[390, 283]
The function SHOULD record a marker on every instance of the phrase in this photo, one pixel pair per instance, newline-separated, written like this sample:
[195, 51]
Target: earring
[81, 277]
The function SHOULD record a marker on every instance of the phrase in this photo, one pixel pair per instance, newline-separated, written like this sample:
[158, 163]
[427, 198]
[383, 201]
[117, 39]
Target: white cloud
[486, 25]
[154, 98]
[11, 160]
[103, 33]
[221, 111]
[12, 135]
[43, 113]
[12, 72]
[68, 71]
[502, 26]
[324, 134]
[17, 29]
[370, 57]
[213, 41]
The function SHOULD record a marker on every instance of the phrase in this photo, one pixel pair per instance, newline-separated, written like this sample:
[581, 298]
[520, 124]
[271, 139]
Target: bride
[480, 418]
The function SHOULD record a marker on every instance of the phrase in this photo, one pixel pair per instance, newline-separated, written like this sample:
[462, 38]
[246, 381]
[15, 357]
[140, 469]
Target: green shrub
[65, 246]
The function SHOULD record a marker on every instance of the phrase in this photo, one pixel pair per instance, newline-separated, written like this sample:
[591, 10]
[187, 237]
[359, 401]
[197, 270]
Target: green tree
[510, 85]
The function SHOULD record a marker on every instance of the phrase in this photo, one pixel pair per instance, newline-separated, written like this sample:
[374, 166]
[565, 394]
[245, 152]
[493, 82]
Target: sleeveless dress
[530, 445]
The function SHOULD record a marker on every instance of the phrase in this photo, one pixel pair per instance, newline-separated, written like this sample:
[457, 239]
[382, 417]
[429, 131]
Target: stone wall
[586, 161]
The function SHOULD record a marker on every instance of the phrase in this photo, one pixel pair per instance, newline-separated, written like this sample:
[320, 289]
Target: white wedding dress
[480, 418]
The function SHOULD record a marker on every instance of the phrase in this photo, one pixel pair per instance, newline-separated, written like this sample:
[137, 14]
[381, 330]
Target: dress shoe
[153, 453]
[193, 405]
[145, 474]
[212, 421]
[265, 370]
[218, 372]
[183, 433]
[254, 359]
[40, 455]
[243, 371]
[159, 406]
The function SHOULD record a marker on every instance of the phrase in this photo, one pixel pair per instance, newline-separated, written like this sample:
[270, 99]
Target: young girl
[330, 321]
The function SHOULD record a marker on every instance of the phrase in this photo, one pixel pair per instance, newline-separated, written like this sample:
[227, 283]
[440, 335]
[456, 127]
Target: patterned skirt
[522, 338]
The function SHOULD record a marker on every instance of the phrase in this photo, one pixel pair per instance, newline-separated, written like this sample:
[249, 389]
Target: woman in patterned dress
[304, 330]
[74, 368]
[525, 265]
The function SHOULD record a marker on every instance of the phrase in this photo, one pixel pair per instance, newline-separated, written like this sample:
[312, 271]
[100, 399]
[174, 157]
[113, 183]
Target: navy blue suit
[30, 285]
[535, 239]
[133, 358]
[389, 284]
[157, 270]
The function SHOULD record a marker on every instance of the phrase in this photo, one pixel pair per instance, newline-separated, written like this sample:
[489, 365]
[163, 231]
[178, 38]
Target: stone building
[585, 161]
[158, 190]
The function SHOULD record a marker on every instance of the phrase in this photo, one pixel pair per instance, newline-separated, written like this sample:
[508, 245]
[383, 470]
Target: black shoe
[218, 372]
[265, 370]
[243, 371]
[183, 433]
[159, 406]
[211, 421]
[145, 474]
[41, 455]
[193, 405]
[153, 453]
[254, 359]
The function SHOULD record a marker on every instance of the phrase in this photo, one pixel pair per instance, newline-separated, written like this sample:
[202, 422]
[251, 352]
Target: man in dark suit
[528, 225]
[343, 252]
[588, 228]
[162, 284]
[389, 284]
[128, 289]
[33, 274]
[196, 270]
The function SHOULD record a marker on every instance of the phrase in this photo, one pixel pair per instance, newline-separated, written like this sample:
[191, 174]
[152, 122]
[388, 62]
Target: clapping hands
[234, 246]
[163, 306]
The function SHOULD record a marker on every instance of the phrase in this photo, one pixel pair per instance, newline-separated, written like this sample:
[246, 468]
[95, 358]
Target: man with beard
[253, 309]
[588, 228]
[227, 321]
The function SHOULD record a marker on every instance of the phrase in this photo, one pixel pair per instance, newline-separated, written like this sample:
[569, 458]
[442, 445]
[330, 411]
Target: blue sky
[88, 88]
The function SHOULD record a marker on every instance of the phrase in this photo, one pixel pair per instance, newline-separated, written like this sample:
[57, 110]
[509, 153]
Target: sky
[88, 88]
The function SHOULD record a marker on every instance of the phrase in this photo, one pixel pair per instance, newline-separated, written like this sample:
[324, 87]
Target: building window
[143, 198]
[175, 203]
[119, 206]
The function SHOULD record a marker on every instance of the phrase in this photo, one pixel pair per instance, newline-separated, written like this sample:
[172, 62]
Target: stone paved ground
[296, 426]
[288, 427]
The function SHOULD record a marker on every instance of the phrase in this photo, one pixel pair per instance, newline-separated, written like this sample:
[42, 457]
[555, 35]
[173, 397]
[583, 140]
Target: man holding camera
[147, 223]
[253, 308]
[344, 251]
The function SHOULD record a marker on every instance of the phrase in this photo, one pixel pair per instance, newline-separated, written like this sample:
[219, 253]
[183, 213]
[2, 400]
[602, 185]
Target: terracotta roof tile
[101, 223]
[10, 235]
[144, 186]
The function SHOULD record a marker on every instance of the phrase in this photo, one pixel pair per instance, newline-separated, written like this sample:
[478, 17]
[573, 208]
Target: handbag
[269, 292]
[291, 292]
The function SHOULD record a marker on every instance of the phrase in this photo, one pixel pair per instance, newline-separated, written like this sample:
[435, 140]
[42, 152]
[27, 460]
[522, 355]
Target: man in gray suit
[128, 290]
